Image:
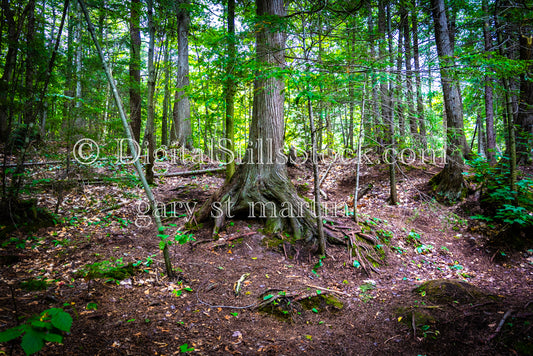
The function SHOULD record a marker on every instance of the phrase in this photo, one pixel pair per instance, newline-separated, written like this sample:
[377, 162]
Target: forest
[266, 177]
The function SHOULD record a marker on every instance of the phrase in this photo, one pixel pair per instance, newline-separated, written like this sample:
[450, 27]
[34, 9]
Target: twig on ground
[500, 325]
[329, 290]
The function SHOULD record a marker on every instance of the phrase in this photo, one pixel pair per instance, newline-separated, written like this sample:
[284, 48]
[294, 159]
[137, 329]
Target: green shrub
[500, 203]
[46, 327]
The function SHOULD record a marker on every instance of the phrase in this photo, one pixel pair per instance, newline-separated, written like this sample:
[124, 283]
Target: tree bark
[166, 95]
[420, 115]
[261, 181]
[30, 99]
[135, 70]
[399, 92]
[489, 97]
[150, 124]
[14, 29]
[413, 122]
[230, 90]
[182, 109]
[524, 119]
[449, 184]
[386, 102]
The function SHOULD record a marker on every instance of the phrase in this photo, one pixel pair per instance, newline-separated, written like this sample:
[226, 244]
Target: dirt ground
[322, 307]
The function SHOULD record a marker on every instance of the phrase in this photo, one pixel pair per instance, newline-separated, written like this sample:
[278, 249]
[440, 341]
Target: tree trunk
[166, 95]
[374, 103]
[182, 109]
[449, 184]
[489, 98]
[524, 120]
[135, 70]
[261, 181]
[79, 122]
[386, 112]
[30, 99]
[399, 92]
[413, 122]
[14, 29]
[230, 90]
[150, 125]
[420, 115]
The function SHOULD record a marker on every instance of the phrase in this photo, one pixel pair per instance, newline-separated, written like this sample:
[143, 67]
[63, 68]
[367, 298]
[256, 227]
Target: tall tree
[386, 102]
[230, 90]
[489, 97]
[413, 122]
[182, 108]
[150, 124]
[14, 15]
[449, 184]
[260, 186]
[135, 69]
[420, 116]
[166, 94]
[524, 119]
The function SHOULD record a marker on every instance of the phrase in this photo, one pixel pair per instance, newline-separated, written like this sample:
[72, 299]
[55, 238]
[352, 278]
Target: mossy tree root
[262, 193]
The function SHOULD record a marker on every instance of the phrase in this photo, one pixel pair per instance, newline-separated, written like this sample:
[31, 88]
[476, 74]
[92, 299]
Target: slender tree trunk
[386, 112]
[182, 109]
[399, 92]
[375, 103]
[135, 70]
[524, 119]
[509, 122]
[150, 124]
[79, 122]
[14, 29]
[489, 97]
[413, 122]
[420, 115]
[230, 90]
[29, 105]
[449, 184]
[390, 138]
[166, 95]
[129, 136]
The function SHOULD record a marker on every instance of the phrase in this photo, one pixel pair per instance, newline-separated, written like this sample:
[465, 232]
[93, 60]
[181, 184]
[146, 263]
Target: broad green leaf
[32, 341]
[51, 337]
[62, 321]
[10, 334]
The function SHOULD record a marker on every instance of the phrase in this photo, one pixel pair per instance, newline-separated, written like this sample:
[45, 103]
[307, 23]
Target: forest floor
[108, 274]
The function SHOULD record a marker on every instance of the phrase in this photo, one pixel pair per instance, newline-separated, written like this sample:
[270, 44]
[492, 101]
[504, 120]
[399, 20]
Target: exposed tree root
[262, 192]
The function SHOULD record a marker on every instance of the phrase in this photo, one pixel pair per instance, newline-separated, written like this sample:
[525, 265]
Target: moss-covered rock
[450, 290]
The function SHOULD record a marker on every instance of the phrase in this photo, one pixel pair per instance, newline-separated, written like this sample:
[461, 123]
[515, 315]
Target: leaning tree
[261, 186]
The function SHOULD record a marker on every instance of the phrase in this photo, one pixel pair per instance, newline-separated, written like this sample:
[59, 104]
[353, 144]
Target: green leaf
[62, 321]
[10, 334]
[356, 264]
[40, 324]
[266, 297]
[32, 341]
[51, 337]
[185, 348]
[315, 310]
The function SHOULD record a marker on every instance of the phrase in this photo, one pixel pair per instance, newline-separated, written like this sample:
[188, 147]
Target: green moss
[421, 316]
[451, 290]
[321, 302]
